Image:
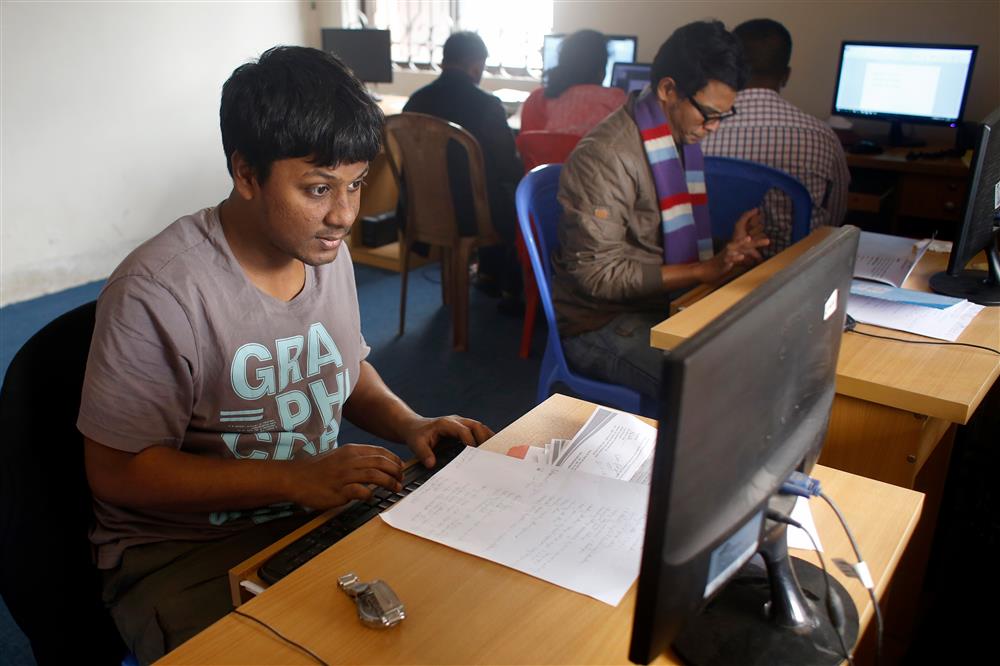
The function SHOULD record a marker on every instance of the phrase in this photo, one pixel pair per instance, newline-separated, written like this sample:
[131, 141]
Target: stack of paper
[923, 313]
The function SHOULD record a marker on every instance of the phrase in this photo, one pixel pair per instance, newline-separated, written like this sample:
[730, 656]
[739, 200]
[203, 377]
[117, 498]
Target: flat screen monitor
[897, 82]
[980, 230]
[367, 52]
[744, 402]
[630, 76]
[621, 48]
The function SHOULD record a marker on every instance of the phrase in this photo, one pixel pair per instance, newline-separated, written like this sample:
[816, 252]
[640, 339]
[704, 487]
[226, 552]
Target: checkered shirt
[770, 130]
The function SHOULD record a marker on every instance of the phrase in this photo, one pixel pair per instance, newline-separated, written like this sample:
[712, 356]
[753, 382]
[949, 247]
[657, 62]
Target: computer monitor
[621, 48]
[745, 402]
[631, 76]
[980, 230]
[902, 82]
[367, 52]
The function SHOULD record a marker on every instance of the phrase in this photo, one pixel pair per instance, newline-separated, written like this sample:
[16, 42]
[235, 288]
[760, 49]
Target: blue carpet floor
[489, 382]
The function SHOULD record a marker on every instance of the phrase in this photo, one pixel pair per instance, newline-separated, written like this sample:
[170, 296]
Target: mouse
[865, 147]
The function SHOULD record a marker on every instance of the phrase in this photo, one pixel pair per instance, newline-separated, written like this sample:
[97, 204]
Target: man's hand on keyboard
[425, 432]
[344, 475]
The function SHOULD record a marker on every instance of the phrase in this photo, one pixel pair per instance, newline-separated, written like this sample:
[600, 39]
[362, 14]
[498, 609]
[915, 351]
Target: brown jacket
[611, 242]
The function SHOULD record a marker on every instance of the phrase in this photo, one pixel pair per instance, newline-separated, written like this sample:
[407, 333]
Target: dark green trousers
[162, 594]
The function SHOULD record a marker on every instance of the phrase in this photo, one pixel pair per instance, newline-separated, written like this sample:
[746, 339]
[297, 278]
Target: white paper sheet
[946, 324]
[579, 531]
[802, 514]
[613, 444]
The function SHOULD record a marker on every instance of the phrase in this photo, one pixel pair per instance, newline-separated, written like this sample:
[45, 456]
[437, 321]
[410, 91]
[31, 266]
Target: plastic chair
[416, 145]
[47, 577]
[537, 148]
[536, 198]
[736, 186]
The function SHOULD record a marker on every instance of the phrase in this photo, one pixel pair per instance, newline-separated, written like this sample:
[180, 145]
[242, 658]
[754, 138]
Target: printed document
[888, 259]
[943, 324]
[580, 531]
[614, 444]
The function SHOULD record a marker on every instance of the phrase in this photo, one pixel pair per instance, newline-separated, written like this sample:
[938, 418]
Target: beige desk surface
[936, 380]
[464, 610]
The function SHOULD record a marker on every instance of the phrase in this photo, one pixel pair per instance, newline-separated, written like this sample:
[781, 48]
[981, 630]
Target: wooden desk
[931, 190]
[897, 404]
[463, 610]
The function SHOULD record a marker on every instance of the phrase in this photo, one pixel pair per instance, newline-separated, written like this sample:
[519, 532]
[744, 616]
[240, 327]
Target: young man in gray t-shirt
[227, 350]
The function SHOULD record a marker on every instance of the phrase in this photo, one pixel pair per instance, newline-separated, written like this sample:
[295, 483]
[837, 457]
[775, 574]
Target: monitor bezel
[388, 36]
[630, 64]
[900, 117]
[962, 252]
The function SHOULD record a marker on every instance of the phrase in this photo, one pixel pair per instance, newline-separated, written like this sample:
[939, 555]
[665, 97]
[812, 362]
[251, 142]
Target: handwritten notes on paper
[579, 531]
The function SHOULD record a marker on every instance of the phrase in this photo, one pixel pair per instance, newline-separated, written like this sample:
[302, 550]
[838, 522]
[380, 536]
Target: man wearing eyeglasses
[635, 230]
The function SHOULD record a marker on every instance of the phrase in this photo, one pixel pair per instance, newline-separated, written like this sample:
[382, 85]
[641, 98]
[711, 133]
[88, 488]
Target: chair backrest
[536, 202]
[417, 147]
[47, 577]
[736, 186]
[541, 147]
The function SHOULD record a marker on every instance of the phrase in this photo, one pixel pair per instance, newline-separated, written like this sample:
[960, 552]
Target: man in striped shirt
[771, 130]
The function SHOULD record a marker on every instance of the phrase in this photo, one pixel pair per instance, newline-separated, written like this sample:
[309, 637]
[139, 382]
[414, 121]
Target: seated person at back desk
[456, 97]
[572, 99]
[635, 228]
[226, 351]
[771, 130]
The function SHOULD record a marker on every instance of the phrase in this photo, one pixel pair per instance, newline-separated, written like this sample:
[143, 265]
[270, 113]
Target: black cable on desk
[924, 342]
[281, 636]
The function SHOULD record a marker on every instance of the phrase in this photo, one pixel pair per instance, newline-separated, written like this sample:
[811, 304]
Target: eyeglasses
[709, 117]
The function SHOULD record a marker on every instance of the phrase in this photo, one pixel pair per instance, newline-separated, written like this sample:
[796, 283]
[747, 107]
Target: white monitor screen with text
[920, 81]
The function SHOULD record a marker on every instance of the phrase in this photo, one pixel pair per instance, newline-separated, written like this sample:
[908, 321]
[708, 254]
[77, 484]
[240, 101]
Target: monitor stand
[982, 287]
[774, 617]
[896, 138]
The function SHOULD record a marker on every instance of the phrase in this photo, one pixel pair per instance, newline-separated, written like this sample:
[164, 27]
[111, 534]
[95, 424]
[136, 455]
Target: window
[513, 30]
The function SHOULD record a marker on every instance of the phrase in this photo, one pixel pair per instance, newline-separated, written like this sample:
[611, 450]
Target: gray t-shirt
[188, 353]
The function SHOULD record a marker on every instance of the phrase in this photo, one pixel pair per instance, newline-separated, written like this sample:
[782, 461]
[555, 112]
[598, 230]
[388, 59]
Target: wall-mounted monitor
[621, 48]
[901, 82]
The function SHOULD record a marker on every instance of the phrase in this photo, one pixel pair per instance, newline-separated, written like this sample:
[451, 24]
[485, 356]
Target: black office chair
[47, 576]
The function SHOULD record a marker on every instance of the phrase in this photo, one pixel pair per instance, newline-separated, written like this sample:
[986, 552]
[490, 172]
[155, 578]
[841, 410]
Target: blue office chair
[536, 198]
[736, 186]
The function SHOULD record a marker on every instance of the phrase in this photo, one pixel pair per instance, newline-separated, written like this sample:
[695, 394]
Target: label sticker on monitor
[831, 305]
[996, 195]
[733, 553]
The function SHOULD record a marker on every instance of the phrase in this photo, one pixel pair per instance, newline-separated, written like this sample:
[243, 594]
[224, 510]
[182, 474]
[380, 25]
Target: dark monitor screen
[903, 82]
[630, 76]
[745, 402]
[367, 52]
[621, 48]
[979, 230]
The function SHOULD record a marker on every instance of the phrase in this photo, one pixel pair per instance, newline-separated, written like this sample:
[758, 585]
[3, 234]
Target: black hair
[463, 48]
[697, 53]
[767, 46]
[298, 102]
[583, 58]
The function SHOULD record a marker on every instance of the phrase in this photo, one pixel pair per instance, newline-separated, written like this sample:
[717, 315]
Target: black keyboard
[359, 512]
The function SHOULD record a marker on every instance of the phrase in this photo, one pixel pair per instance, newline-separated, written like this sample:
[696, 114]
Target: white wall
[817, 28]
[110, 125]
[110, 109]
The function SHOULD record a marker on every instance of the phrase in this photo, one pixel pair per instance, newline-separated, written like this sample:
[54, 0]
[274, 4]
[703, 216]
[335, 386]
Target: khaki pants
[162, 594]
